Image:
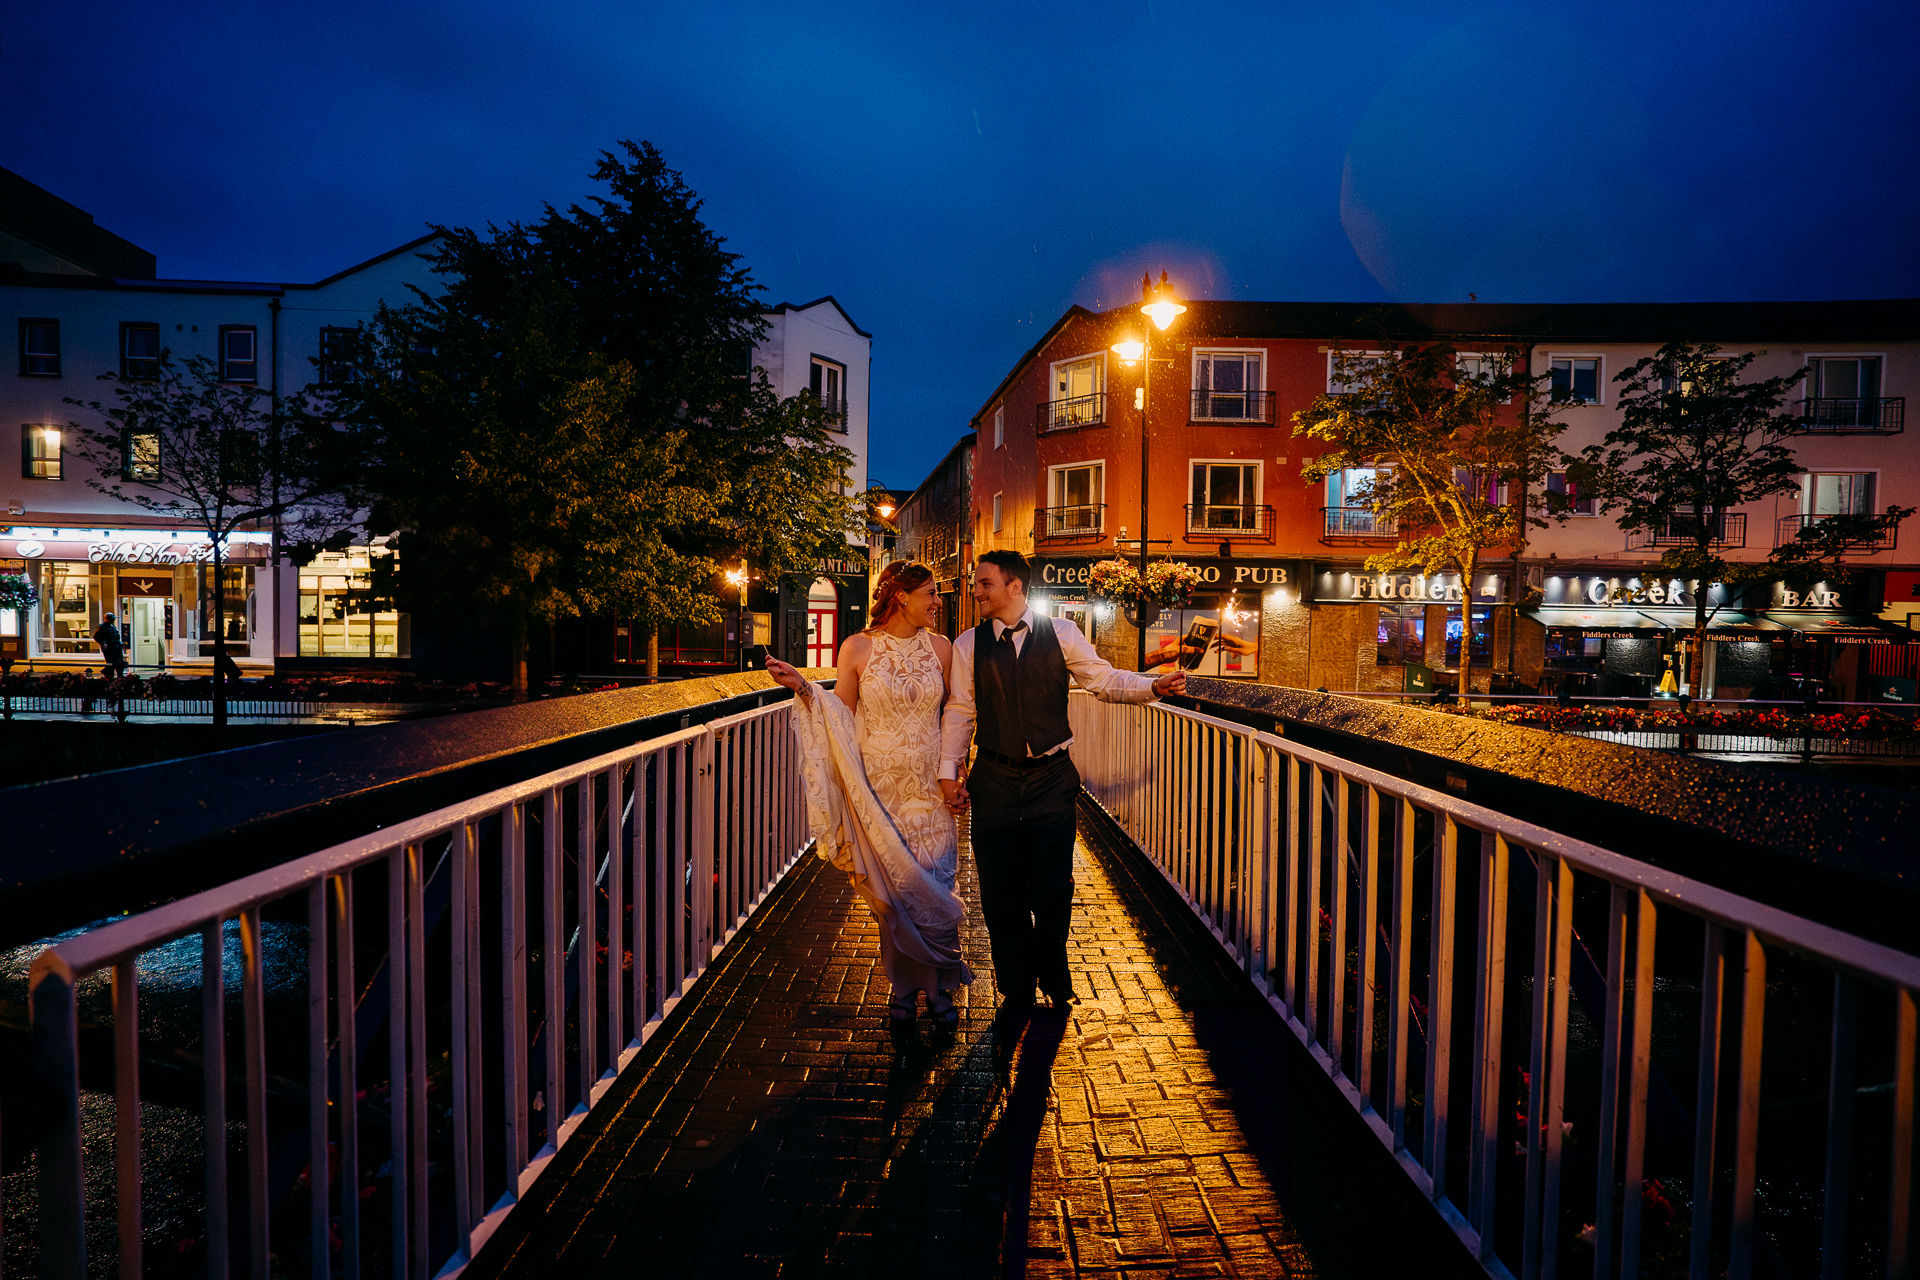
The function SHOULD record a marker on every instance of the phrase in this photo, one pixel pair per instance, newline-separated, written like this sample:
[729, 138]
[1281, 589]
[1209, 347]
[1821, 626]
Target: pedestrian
[1009, 686]
[223, 663]
[113, 653]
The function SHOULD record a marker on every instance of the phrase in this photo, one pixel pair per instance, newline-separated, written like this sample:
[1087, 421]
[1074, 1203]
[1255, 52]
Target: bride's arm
[853, 660]
[944, 648]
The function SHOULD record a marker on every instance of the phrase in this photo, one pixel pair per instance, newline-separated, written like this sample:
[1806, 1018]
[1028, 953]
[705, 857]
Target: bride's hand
[783, 674]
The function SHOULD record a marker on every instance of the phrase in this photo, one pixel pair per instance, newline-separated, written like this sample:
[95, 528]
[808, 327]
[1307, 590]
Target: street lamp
[1159, 304]
[739, 578]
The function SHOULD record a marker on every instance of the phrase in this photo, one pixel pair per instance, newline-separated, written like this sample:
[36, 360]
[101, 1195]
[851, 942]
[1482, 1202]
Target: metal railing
[567, 915]
[1075, 411]
[1871, 539]
[1250, 408]
[1084, 523]
[1357, 522]
[1724, 529]
[1305, 866]
[1879, 415]
[1222, 522]
[102, 703]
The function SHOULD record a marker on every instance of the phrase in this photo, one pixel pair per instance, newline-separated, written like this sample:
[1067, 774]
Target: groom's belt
[1020, 762]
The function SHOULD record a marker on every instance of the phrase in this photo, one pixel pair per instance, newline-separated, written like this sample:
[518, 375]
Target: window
[140, 454]
[1226, 497]
[139, 351]
[1846, 377]
[1474, 366]
[830, 388]
[39, 348]
[1839, 493]
[1574, 501]
[340, 613]
[1226, 384]
[1479, 627]
[1349, 494]
[999, 426]
[1075, 497]
[1079, 393]
[1576, 378]
[40, 453]
[239, 353]
[1358, 366]
[1402, 635]
[336, 357]
[996, 513]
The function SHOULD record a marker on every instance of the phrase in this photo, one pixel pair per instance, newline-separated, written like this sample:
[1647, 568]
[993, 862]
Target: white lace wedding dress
[874, 803]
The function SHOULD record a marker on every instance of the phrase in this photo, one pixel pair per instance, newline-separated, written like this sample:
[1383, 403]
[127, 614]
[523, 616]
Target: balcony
[1249, 408]
[1725, 529]
[1084, 523]
[1870, 539]
[1880, 416]
[1215, 522]
[1357, 524]
[1075, 411]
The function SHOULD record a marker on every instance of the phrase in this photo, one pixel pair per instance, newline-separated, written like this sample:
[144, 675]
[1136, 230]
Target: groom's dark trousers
[1023, 828]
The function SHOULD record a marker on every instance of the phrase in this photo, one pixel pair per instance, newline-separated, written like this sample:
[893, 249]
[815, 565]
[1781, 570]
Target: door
[149, 622]
[823, 613]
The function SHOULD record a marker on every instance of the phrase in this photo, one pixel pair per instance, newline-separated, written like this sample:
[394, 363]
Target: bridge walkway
[1168, 1125]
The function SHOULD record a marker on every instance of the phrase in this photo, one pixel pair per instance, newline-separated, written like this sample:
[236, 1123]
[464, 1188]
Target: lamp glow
[884, 510]
[1130, 350]
[1162, 312]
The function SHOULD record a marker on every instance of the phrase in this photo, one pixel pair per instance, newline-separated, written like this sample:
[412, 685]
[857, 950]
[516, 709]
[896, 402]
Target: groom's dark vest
[1020, 702]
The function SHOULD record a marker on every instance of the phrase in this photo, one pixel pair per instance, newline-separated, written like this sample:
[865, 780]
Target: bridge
[563, 987]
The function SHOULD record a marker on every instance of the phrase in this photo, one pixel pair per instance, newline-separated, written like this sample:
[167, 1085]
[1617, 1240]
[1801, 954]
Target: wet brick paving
[1167, 1125]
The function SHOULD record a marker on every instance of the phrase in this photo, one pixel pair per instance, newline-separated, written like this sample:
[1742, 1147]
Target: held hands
[955, 794]
[1172, 682]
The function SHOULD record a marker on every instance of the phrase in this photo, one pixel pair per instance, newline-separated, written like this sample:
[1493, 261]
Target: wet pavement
[1165, 1125]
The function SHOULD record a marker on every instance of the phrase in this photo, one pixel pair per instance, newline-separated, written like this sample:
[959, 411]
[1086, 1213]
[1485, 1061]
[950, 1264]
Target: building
[934, 526]
[84, 302]
[1059, 465]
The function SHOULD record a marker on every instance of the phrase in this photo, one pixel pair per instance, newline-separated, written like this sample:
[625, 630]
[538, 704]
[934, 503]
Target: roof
[55, 280]
[67, 231]
[370, 262]
[783, 307]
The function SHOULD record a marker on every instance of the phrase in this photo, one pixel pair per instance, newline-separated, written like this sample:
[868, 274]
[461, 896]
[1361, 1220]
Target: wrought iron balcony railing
[1253, 408]
[1075, 411]
[1724, 529]
[1357, 524]
[1871, 538]
[1218, 522]
[1876, 416]
[1084, 523]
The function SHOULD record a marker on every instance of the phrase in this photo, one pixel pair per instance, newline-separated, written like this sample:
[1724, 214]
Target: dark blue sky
[958, 175]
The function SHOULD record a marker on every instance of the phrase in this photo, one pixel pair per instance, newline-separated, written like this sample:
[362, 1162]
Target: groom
[1010, 675]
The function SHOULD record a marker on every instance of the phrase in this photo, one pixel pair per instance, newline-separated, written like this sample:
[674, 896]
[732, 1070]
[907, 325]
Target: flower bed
[1872, 725]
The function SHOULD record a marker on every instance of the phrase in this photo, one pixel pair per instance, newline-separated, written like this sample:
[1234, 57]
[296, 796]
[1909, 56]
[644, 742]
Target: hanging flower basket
[1168, 585]
[16, 593]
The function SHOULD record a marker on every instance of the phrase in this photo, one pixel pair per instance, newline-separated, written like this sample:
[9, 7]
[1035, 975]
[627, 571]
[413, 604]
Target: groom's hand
[955, 793]
[1172, 682]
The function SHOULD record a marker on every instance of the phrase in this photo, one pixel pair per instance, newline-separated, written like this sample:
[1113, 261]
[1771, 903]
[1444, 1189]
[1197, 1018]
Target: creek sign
[1348, 587]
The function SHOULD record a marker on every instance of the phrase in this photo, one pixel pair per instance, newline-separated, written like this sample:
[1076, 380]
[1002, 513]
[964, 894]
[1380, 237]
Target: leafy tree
[1694, 443]
[569, 428]
[222, 457]
[1447, 441]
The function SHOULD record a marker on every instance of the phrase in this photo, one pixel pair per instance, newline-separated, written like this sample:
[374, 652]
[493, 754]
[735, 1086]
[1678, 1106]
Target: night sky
[958, 175]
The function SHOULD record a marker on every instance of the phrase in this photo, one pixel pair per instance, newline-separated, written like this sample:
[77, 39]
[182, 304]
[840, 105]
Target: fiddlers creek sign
[1331, 587]
[1068, 578]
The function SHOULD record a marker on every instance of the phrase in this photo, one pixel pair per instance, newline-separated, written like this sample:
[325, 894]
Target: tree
[1694, 443]
[1447, 442]
[222, 457]
[570, 428]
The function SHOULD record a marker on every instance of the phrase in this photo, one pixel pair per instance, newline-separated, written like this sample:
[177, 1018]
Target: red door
[820, 636]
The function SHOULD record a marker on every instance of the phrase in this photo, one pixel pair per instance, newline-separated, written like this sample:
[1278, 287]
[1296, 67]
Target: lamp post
[1157, 303]
[739, 578]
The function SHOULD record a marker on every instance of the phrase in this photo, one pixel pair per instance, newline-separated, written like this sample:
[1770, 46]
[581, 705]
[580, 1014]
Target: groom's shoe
[1061, 998]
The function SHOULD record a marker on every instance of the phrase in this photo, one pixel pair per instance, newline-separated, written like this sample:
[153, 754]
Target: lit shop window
[340, 616]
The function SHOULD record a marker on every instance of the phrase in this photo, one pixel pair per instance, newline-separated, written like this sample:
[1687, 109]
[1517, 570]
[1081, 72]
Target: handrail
[626, 873]
[1298, 859]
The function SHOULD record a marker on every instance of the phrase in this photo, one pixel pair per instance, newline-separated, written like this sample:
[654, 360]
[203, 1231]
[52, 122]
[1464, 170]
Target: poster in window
[1205, 642]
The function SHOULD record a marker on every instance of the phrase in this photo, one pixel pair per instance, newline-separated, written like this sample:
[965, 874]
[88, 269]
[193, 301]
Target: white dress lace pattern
[898, 725]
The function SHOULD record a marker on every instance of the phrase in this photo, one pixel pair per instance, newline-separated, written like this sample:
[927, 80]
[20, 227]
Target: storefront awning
[1844, 628]
[1625, 622]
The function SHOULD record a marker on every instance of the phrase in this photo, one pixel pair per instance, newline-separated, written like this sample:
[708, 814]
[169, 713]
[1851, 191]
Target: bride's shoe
[900, 1009]
[944, 1016]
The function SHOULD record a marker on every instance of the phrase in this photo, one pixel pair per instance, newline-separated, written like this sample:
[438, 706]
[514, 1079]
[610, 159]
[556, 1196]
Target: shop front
[159, 584]
[1216, 633]
[1408, 631]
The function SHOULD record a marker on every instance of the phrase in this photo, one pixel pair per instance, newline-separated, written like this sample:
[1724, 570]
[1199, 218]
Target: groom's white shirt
[1089, 670]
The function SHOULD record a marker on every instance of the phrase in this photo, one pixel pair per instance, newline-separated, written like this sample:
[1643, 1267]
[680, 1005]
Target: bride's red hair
[896, 580]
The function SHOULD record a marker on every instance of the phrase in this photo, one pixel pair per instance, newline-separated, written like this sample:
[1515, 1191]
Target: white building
[86, 302]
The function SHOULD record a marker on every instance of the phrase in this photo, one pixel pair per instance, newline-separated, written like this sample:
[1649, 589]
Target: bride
[870, 750]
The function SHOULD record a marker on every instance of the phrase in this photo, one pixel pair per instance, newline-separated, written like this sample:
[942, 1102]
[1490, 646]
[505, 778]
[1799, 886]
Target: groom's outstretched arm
[1095, 674]
[956, 721]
